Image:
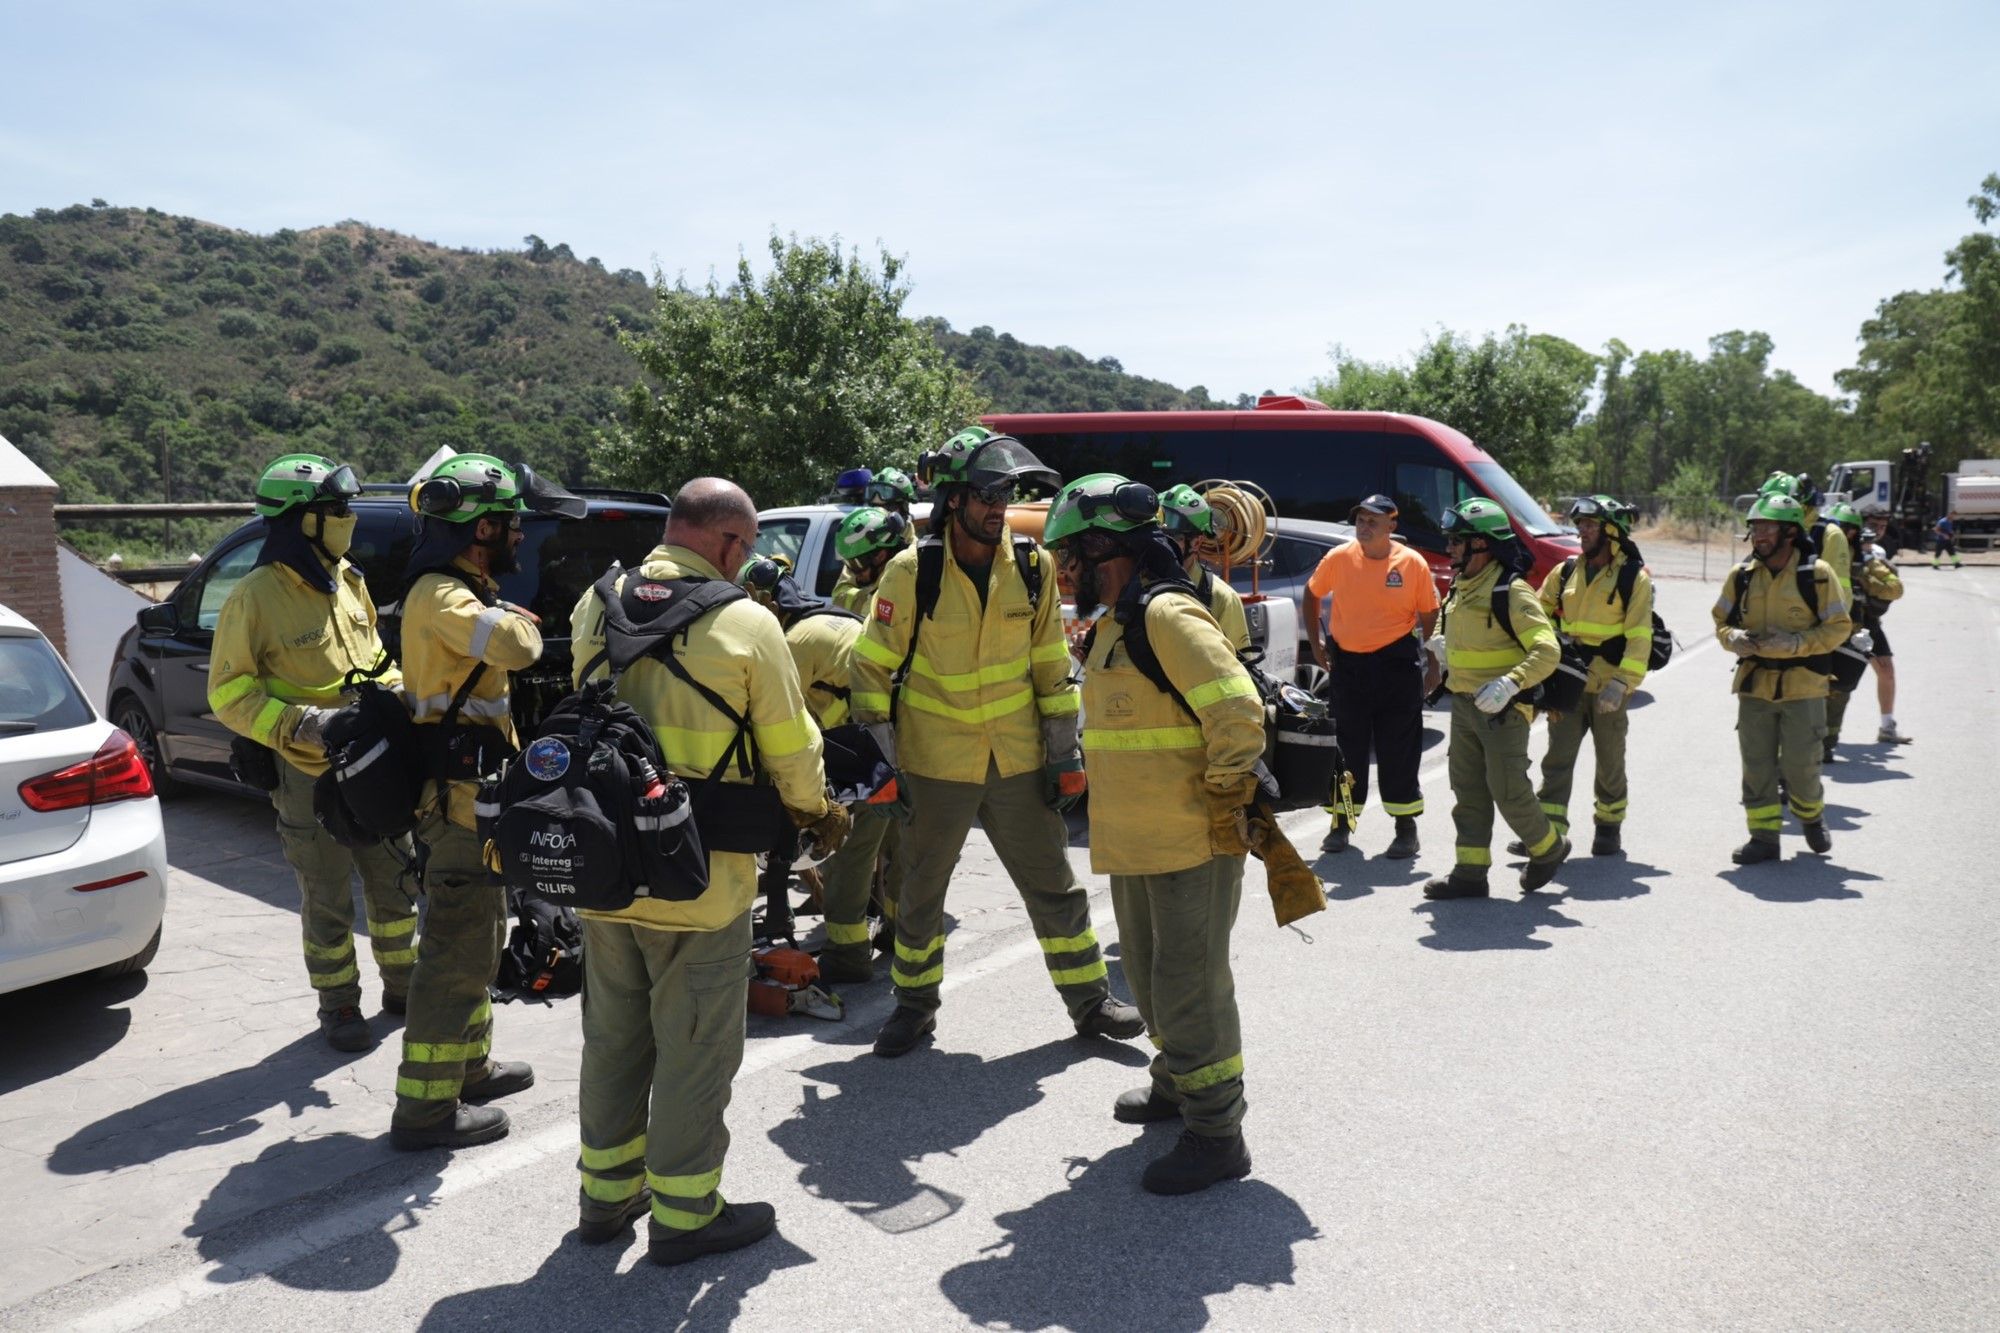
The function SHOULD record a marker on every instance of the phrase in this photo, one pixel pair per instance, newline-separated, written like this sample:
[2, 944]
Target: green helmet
[1477, 518]
[466, 488]
[1779, 483]
[891, 485]
[303, 479]
[1182, 510]
[1844, 514]
[1104, 502]
[1778, 507]
[869, 529]
[978, 458]
[1611, 513]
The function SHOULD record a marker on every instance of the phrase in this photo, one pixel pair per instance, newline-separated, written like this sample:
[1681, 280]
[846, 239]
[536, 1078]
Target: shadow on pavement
[844, 1154]
[1468, 925]
[292, 1169]
[1843, 818]
[1604, 879]
[215, 1110]
[1800, 878]
[47, 1031]
[579, 1286]
[1350, 875]
[1101, 1255]
[1861, 764]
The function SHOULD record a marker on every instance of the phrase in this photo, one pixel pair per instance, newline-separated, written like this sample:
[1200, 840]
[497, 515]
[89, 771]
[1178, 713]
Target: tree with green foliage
[781, 381]
[1929, 367]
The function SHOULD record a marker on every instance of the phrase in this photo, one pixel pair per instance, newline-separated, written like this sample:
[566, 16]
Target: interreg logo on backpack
[547, 759]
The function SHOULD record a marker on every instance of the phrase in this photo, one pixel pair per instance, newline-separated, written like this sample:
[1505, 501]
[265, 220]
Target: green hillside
[145, 357]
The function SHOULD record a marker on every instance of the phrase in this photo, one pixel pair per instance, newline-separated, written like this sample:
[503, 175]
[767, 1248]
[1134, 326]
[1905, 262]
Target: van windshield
[1527, 512]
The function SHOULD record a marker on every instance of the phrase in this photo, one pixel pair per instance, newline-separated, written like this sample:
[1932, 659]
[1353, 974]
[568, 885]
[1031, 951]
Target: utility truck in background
[1904, 498]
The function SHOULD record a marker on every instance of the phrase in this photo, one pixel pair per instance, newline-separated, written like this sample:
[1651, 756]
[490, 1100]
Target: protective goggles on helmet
[1457, 527]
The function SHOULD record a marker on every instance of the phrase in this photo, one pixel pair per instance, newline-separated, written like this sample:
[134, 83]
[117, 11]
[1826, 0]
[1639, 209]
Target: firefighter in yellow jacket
[1781, 612]
[1189, 521]
[1603, 602]
[1488, 663]
[667, 982]
[1171, 778]
[985, 727]
[296, 629]
[460, 641]
[865, 541]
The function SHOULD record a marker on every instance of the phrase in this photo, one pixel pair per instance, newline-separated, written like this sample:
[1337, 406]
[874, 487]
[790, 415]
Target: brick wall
[29, 580]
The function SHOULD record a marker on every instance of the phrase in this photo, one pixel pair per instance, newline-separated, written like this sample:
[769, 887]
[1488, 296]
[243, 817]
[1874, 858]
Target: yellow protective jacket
[1837, 551]
[1879, 579]
[282, 644]
[983, 676]
[1225, 604]
[1148, 761]
[447, 631]
[1771, 602]
[738, 651]
[1587, 608]
[1477, 649]
[823, 651]
[851, 596]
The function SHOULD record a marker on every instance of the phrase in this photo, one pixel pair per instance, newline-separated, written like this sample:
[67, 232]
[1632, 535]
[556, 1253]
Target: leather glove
[1863, 640]
[1229, 816]
[1295, 890]
[1063, 783]
[1612, 697]
[1780, 643]
[1495, 695]
[311, 728]
[1059, 740]
[1738, 641]
[824, 832]
[884, 735]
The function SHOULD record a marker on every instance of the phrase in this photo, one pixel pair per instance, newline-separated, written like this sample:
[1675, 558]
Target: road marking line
[219, 1277]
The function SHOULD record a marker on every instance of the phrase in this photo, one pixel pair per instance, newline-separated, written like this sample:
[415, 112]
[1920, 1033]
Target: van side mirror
[161, 619]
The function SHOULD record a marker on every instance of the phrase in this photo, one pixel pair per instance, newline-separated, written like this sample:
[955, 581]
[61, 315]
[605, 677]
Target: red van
[1315, 462]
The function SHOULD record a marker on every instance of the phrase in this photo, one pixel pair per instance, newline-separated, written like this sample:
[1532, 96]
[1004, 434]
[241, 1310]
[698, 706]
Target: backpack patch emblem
[547, 759]
[885, 610]
[652, 592]
[1395, 579]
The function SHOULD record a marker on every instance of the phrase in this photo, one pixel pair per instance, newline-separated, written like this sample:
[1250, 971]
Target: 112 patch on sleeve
[885, 610]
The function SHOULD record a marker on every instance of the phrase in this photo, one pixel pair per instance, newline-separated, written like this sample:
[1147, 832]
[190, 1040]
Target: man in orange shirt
[1384, 608]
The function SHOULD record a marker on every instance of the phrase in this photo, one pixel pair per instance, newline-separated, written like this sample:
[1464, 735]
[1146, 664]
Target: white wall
[97, 610]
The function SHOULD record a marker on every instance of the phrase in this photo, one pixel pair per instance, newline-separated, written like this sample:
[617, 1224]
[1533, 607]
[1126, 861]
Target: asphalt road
[1671, 1093]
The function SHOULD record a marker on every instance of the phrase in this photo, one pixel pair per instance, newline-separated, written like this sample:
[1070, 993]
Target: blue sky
[1214, 194]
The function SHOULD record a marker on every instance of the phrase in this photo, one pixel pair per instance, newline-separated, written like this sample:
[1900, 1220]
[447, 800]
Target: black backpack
[1845, 665]
[589, 815]
[1613, 650]
[930, 585]
[544, 954]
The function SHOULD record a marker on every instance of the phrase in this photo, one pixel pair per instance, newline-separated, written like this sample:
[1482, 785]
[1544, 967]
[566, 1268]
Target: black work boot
[504, 1076]
[905, 1028]
[1143, 1106]
[1606, 843]
[1817, 838]
[737, 1225]
[1537, 873]
[1111, 1017]
[1517, 848]
[1452, 886]
[346, 1030]
[1826, 750]
[1405, 844]
[1755, 850]
[1196, 1162]
[1336, 837]
[468, 1126]
[597, 1230]
[395, 1002]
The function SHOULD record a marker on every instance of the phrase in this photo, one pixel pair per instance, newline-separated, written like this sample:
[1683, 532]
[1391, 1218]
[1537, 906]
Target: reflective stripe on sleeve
[482, 630]
[1233, 686]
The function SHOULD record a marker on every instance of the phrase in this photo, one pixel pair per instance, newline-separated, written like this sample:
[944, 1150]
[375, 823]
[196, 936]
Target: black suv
[159, 682]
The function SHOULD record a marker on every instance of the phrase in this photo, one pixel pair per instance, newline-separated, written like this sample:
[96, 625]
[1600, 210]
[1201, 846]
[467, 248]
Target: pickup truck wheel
[130, 717]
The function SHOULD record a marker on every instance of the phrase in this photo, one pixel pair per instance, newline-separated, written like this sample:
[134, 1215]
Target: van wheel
[137, 962]
[130, 717]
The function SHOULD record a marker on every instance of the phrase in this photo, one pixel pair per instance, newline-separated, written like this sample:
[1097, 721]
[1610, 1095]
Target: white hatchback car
[83, 855]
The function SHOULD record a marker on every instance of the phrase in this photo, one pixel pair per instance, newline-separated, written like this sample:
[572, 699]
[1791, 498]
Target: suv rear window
[567, 557]
[36, 693]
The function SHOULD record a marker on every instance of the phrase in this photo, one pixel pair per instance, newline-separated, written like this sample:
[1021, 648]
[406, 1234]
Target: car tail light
[117, 772]
[112, 883]
[610, 516]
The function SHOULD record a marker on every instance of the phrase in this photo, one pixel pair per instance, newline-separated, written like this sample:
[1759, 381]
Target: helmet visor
[541, 496]
[1005, 459]
[340, 484]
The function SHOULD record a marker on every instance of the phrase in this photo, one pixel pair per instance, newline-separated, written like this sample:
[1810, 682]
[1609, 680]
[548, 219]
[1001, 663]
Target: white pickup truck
[803, 534]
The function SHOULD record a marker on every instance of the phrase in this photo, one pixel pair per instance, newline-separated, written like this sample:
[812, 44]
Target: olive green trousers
[448, 1032]
[1607, 736]
[1173, 937]
[1780, 738]
[849, 876]
[325, 870]
[1488, 767]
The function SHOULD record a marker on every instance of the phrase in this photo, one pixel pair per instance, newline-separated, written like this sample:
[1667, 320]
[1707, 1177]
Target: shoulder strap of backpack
[1628, 579]
[930, 585]
[1562, 584]
[486, 599]
[1030, 565]
[1503, 614]
[1740, 580]
[1809, 587]
[1139, 645]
